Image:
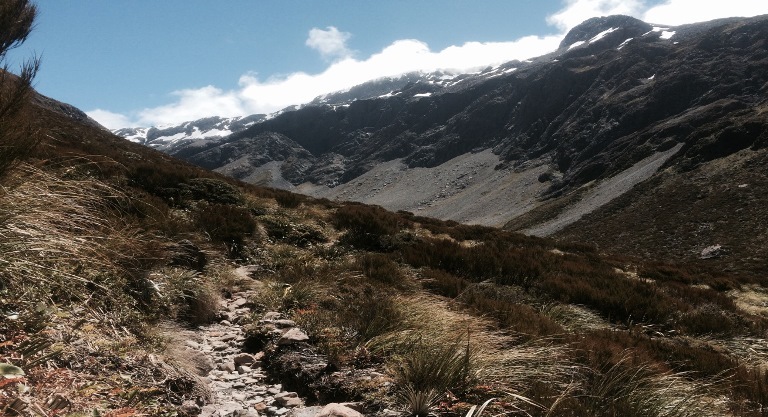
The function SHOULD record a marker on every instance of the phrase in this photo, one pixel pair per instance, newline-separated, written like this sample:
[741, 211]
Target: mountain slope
[535, 145]
[133, 283]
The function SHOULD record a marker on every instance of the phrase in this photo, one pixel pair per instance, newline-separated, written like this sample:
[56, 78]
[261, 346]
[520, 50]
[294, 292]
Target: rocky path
[236, 379]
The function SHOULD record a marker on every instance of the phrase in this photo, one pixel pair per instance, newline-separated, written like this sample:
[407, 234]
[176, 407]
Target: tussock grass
[470, 348]
[574, 317]
[62, 241]
[418, 402]
[638, 390]
[185, 295]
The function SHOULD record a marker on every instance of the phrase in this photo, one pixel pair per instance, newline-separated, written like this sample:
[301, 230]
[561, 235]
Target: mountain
[190, 293]
[541, 145]
[135, 283]
[188, 134]
[172, 137]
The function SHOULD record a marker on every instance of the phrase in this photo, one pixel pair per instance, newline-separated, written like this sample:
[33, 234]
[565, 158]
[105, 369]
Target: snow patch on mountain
[209, 128]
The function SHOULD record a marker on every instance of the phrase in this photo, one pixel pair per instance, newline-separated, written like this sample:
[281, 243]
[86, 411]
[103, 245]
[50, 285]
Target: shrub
[370, 314]
[184, 295]
[211, 190]
[226, 223]
[501, 303]
[352, 319]
[287, 199]
[368, 227]
[162, 181]
[298, 234]
[708, 319]
[443, 283]
[381, 268]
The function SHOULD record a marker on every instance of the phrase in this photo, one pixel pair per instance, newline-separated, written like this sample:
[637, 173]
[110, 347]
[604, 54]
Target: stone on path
[284, 323]
[292, 336]
[227, 367]
[288, 399]
[305, 411]
[272, 315]
[244, 359]
[338, 410]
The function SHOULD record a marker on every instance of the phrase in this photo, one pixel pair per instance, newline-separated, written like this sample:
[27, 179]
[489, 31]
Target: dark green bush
[287, 199]
[381, 268]
[211, 190]
[225, 223]
[443, 283]
[368, 227]
[298, 234]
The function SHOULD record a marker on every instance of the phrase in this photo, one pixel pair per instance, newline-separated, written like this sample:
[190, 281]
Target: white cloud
[265, 96]
[678, 12]
[577, 11]
[109, 119]
[192, 104]
[256, 95]
[398, 58]
[331, 43]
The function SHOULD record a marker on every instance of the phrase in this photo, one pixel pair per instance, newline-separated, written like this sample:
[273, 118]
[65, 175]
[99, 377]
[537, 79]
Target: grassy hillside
[99, 258]
[112, 256]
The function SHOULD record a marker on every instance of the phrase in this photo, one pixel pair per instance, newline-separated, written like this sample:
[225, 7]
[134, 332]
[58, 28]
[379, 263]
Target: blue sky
[150, 62]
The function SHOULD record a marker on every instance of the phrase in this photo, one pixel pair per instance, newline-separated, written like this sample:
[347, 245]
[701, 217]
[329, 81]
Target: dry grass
[185, 295]
[575, 318]
[61, 240]
[752, 299]
[494, 357]
[632, 390]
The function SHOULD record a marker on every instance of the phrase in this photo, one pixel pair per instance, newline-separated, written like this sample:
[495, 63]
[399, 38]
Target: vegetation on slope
[103, 242]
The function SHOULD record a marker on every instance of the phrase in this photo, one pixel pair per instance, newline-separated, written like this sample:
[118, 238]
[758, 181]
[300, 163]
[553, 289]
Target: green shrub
[298, 234]
[443, 283]
[211, 190]
[381, 268]
[184, 295]
[226, 223]
[287, 199]
[368, 227]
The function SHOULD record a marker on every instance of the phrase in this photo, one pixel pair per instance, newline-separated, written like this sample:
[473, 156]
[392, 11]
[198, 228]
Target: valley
[580, 234]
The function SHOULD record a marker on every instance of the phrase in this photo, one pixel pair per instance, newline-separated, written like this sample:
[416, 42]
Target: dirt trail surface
[238, 385]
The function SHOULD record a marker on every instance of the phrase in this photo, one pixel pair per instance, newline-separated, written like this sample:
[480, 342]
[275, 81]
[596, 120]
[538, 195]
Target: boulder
[187, 254]
[292, 336]
[338, 410]
[244, 359]
[711, 252]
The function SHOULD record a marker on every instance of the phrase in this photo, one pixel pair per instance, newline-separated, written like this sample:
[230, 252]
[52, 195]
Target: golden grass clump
[437, 348]
[62, 240]
[638, 390]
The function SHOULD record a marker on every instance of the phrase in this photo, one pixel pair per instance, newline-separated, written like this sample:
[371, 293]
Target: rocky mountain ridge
[167, 138]
[620, 102]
